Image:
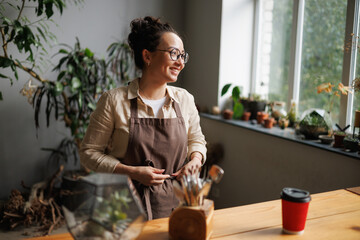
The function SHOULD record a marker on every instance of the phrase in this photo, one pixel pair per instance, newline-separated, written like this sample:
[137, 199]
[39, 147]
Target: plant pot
[338, 140]
[246, 116]
[269, 122]
[261, 116]
[256, 106]
[227, 114]
[351, 144]
[283, 123]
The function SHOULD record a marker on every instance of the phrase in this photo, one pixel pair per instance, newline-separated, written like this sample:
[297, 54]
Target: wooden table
[332, 215]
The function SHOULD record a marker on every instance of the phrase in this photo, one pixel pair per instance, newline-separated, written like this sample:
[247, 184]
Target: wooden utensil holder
[195, 223]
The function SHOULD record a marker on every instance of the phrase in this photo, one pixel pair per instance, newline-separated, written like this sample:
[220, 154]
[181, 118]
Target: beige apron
[160, 143]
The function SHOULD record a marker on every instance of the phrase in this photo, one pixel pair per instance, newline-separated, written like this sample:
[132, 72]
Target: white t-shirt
[155, 104]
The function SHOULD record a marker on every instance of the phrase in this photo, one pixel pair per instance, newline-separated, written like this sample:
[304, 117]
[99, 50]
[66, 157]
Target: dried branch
[44, 212]
[21, 9]
[54, 177]
[4, 46]
[31, 72]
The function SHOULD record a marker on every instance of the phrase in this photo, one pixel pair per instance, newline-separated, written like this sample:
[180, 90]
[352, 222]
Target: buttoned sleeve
[98, 134]
[196, 139]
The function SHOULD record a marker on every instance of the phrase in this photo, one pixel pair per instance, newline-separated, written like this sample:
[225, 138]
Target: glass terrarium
[112, 209]
[315, 122]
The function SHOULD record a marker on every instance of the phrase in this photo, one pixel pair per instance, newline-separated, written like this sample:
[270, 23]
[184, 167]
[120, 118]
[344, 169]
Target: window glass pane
[322, 53]
[356, 100]
[274, 51]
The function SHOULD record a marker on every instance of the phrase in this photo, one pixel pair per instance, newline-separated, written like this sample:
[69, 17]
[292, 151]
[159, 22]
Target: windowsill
[287, 134]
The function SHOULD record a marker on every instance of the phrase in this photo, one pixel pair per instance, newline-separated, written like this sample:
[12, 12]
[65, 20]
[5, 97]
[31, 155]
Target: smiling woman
[148, 130]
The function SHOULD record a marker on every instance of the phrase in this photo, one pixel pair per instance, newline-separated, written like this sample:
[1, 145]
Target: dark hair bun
[145, 34]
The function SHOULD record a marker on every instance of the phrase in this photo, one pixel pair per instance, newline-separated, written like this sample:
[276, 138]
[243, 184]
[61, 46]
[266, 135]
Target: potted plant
[315, 122]
[291, 115]
[255, 105]
[351, 143]
[339, 136]
[82, 77]
[331, 91]
[283, 122]
[246, 116]
[268, 123]
[238, 108]
[261, 116]
[277, 109]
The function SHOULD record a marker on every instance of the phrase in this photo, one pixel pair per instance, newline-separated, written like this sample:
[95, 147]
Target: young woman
[148, 130]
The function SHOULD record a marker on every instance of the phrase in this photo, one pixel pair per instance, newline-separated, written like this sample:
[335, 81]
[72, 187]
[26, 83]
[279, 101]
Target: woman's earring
[148, 63]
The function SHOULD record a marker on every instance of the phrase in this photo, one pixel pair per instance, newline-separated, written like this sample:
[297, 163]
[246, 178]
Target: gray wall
[96, 24]
[202, 41]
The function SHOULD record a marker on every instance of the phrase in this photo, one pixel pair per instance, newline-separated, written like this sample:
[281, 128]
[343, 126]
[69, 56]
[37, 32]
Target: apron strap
[150, 163]
[148, 203]
[133, 108]
[177, 109]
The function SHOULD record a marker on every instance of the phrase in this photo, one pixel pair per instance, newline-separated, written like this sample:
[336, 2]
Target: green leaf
[59, 88]
[1, 97]
[3, 76]
[48, 9]
[70, 68]
[61, 75]
[225, 89]
[88, 53]
[236, 94]
[40, 8]
[41, 33]
[75, 83]
[7, 21]
[238, 110]
[63, 51]
[5, 62]
[80, 99]
[6, 30]
[92, 106]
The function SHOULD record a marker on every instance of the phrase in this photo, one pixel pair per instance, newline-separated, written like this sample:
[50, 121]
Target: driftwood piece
[39, 207]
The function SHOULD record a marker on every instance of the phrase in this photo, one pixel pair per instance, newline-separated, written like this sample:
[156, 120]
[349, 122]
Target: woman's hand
[146, 175]
[149, 176]
[192, 166]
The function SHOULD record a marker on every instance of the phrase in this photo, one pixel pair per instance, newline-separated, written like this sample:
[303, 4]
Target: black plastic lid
[295, 195]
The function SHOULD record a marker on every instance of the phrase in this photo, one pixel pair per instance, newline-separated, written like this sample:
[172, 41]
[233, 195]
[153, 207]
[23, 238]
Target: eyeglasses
[175, 54]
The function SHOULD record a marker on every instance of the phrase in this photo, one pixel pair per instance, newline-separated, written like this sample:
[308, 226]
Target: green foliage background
[322, 51]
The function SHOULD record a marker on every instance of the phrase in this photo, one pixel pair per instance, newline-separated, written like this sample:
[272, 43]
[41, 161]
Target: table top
[332, 215]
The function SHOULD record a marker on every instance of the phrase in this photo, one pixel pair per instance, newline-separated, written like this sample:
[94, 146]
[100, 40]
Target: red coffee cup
[295, 205]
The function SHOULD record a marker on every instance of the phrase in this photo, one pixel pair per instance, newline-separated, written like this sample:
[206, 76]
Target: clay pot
[227, 114]
[261, 116]
[269, 122]
[339, 140]
[246, 116]
[283, 123]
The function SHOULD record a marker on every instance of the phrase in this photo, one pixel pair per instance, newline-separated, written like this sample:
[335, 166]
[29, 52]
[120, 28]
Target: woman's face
[161, 65]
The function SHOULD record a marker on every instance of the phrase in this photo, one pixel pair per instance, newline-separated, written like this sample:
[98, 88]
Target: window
[322, 52]
[274, 50]
[301, 45]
